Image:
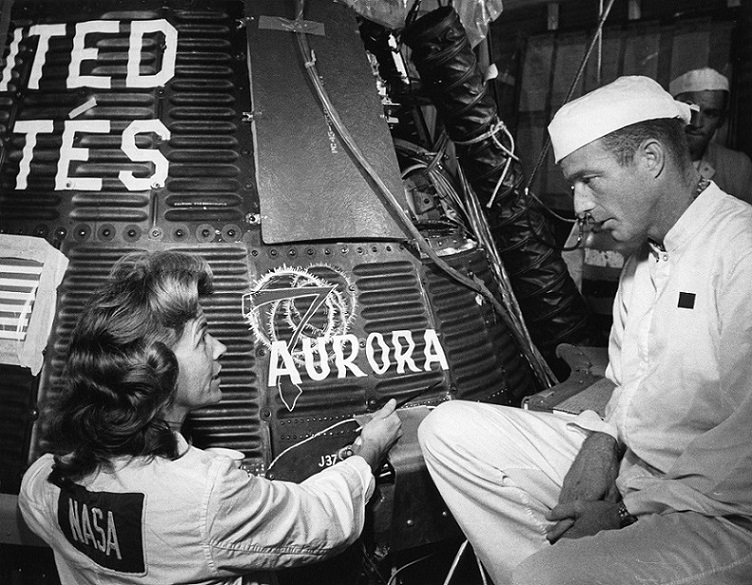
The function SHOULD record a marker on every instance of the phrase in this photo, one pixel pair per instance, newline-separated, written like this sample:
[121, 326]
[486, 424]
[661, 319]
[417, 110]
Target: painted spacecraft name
[303, 317]
[345, 348]
[134, 78]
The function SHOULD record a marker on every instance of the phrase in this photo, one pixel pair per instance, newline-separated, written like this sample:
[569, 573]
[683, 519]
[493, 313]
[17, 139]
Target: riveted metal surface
[379, 321]
[388, 303]
[17, 414]
[235, 422]
[194, 122]
[487, 363]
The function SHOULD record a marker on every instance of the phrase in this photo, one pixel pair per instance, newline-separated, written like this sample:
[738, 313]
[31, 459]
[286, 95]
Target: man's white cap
[699, 80]
[626, 101]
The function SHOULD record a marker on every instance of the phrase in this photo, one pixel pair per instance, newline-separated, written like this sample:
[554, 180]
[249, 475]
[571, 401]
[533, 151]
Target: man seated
[660, 490]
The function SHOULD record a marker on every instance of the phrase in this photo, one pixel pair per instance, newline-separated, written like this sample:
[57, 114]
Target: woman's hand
[378, 435]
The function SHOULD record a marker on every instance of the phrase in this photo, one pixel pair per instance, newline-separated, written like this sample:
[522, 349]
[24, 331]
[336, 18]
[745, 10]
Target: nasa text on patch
[105, 526]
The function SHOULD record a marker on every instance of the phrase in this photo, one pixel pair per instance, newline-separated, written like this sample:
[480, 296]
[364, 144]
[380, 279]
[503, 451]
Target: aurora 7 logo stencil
[288, 307]
[303, 317]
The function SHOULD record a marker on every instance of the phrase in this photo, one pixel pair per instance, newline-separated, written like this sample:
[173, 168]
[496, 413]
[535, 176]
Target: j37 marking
[328, 460]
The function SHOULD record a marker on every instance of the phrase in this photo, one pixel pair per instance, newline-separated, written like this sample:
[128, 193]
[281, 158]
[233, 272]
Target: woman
[122, 498]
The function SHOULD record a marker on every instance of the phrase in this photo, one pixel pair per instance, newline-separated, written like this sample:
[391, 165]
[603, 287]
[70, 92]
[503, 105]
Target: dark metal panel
[380, 288]
[309, 185]
[419, 515]
[209, 205]
[236, 421]
[483, 352]
[209, 192]
[17, 415]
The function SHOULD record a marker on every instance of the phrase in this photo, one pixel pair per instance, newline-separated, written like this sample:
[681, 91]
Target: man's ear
[652, 157]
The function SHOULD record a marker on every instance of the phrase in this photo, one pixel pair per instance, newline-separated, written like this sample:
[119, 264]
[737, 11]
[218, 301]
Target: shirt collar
[656, 249]
[697, 215]
[183, 445]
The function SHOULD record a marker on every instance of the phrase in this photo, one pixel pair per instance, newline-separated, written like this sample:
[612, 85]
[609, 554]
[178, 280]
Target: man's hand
[592, 476]
[591, 479]
[580, 518]
[378, 435]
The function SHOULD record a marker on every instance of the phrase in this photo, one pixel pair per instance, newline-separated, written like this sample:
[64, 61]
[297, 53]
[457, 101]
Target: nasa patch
[105, 526]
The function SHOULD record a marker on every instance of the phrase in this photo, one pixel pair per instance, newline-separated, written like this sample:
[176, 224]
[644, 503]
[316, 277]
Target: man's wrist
[603, 442]
[625, 518]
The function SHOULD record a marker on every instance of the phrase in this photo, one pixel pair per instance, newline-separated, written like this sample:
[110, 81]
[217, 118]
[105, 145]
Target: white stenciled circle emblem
[290, 304]
[303, 316]
[293, 305]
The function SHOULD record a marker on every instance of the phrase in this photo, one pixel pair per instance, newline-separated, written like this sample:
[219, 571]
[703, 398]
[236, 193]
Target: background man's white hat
[626, 101]
[699, 80]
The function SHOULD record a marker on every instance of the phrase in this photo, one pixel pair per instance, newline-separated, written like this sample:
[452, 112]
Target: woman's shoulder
[192, 468]
[39, 468]
[35, 481]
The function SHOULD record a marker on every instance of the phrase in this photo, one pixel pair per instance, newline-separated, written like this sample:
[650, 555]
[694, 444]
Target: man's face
[610, 193]
[712, 105]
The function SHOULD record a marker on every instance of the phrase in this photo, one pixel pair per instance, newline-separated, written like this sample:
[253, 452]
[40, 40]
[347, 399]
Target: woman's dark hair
[120, 371]
[623, 143]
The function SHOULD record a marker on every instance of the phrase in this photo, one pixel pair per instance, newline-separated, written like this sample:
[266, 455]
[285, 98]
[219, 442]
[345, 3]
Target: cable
[482, 231]
[474, 284]
[370, 563]
[403, 567]
[456, 562]
[491, 133]
[596, 39]
[471, 207]
[413, 12]
[313, 436]
[481, 570]
[575, 81]
[552, 305]
[400, 403]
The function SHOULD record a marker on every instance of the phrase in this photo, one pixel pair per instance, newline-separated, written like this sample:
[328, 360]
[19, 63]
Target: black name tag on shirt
[686, 300]
[105, 526]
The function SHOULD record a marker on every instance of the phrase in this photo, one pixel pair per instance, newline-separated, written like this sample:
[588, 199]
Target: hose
[539, 366]
[553, 308]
